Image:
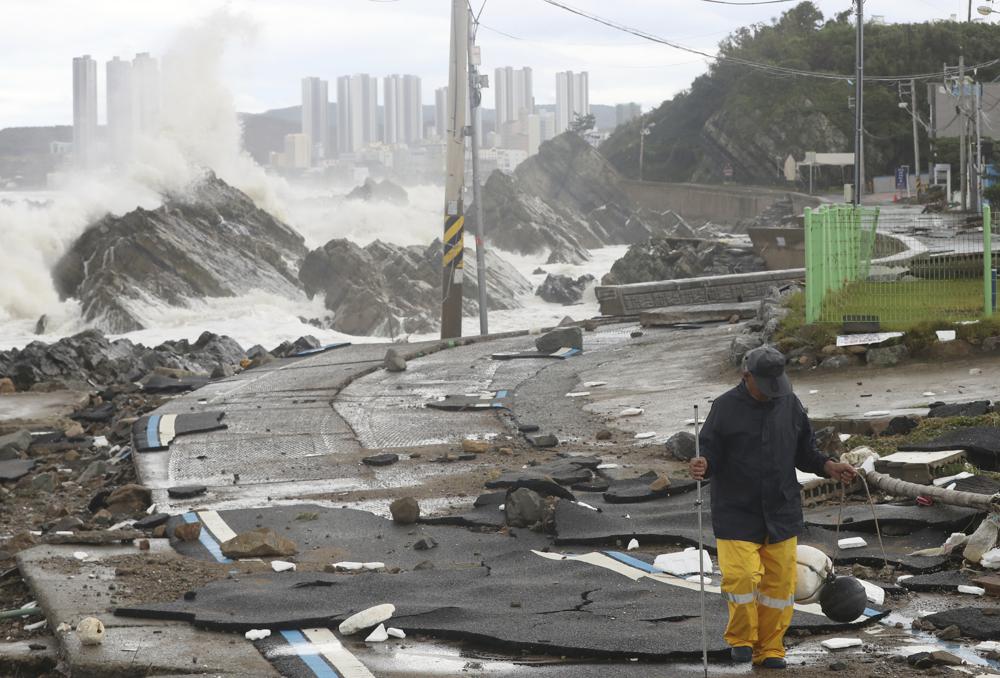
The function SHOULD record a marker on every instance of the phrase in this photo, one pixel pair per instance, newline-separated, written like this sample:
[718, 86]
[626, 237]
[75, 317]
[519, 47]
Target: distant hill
[24, 153]
[751, 120]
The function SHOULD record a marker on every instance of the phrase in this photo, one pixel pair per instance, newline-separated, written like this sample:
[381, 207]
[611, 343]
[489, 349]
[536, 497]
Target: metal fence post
[811, 284]
[987, 262]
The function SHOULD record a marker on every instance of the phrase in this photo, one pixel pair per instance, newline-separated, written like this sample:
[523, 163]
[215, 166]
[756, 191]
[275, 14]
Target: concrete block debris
[852, 543]
[379, 635]
[282, 566]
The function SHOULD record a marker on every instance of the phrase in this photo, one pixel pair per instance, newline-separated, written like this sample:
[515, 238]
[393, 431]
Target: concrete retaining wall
[740, 287]
[720, 204]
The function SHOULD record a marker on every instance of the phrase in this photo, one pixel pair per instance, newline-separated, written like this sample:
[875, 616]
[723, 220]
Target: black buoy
[843, 599]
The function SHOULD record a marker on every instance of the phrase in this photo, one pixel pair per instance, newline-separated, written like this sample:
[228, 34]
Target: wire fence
[899, 269]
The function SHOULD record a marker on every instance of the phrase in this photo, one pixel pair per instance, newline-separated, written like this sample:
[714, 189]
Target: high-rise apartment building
[572, 98]
[357, 112]
[626, 112]
[121, 121]
[145, 93]
[315, 104]
[404, 111]
[513, 94]
[84, 110]
[441, 112]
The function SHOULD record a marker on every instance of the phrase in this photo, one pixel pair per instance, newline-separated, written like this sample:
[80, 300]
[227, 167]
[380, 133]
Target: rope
[840, 513]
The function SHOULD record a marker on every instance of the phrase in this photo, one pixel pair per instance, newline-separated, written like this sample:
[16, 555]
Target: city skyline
[279, 44]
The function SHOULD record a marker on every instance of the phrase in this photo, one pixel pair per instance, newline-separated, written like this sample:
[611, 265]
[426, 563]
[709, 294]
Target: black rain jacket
[753, 449]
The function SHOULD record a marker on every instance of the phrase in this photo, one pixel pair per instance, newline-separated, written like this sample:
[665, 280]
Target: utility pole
[454, 218]
[962, 149]
[859, 59]
[642, 144]
[475, 99]
[978, 161]
[916, 138]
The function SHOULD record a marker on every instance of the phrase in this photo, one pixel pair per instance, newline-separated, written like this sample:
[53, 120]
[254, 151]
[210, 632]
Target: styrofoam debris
[988, 646]
[974, 590]
[877, 413]
[30, 604]
[595, 384]
[366, 619]
[151, 510]
[844, 437]
[904, 651]
[64, 627]
[632, 545]
[282, 566]
[631, 412]
[100, 441]
[645, 435]
[941, 482]
[683, 562]
[928, 394]
[945, 335]
[578, 394]
[991, 559]
[875, 593]
[374, 565]
[903, 577]
[841, 643]
[36, 625]
[257, 634]
[396, 633]
[80, 555]
[606, 465]
[348, 566]
[813, 391]
[852, 543]
[585, 505]
[379, 635]
[502, 507]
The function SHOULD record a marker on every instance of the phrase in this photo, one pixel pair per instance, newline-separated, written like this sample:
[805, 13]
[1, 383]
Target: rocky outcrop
[566, 199]
[380, 191]
[675, 258]
[386, 289]
[562, 289]
[209, 241]
[90, 358]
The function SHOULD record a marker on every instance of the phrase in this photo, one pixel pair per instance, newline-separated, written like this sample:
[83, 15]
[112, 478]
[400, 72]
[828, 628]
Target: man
[754, 438]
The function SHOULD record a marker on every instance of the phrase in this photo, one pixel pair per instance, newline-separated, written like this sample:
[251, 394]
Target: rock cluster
[385, 289]
[380, 191]
[211, 240]
[674, 258]
[566, 199]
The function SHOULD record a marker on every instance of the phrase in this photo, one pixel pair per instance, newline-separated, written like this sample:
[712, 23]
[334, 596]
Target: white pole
[701, 554]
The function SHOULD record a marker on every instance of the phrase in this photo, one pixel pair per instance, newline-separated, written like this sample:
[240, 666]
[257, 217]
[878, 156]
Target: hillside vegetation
[752, 120]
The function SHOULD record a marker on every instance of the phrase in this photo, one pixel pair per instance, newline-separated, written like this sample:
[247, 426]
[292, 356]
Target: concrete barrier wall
[619, 300]
[721, 204]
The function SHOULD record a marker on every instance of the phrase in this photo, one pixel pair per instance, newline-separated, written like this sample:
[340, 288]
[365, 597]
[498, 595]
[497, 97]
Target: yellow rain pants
[758, 582]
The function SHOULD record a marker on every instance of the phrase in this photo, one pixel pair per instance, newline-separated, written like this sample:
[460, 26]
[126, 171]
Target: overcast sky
[327, 38]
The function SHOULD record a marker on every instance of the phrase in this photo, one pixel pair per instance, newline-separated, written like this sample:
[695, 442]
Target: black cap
[767, 365]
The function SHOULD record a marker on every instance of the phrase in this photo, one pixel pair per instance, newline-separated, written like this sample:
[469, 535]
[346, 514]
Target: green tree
[583, 123]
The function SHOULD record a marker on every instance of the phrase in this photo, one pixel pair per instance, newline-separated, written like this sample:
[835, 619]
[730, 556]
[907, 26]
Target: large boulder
[386, 289]
[562, 337]
[889, 356]
[210, 240]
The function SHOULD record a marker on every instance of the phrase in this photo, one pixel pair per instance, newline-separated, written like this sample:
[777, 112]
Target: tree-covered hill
[752, 120]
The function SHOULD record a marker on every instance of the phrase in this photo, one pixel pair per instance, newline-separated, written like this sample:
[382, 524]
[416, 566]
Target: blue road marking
[311, 659]
[153, 431]
[206, 539]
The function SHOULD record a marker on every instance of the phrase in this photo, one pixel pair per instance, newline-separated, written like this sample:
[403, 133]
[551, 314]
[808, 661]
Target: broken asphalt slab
[981, 623]
[894, 519]
[155, 432]
[947, 580]
[517, 602]
[981, 443]
[327, 535]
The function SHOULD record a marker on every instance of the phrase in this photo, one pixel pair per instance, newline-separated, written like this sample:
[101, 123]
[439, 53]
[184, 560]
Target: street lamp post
[986, 10]
[644, 131]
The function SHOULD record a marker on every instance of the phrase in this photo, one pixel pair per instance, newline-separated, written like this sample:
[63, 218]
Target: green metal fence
[897, 267]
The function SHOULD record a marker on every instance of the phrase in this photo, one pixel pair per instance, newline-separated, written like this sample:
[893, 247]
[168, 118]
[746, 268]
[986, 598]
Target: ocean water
[39, 226]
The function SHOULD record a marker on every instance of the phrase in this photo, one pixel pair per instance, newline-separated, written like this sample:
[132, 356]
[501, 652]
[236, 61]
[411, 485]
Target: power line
[767, 68]
[760, 2]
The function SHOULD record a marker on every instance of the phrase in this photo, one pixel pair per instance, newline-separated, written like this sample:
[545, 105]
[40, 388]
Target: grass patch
[926, 430]
[901, 304]
[919, 335]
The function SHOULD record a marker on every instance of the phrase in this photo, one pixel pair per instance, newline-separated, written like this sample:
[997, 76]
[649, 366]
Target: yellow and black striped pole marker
[453, 270]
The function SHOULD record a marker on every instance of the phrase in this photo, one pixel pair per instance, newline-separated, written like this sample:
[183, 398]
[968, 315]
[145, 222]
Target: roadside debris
[405, 511]
[367, 619]
[90, 630]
